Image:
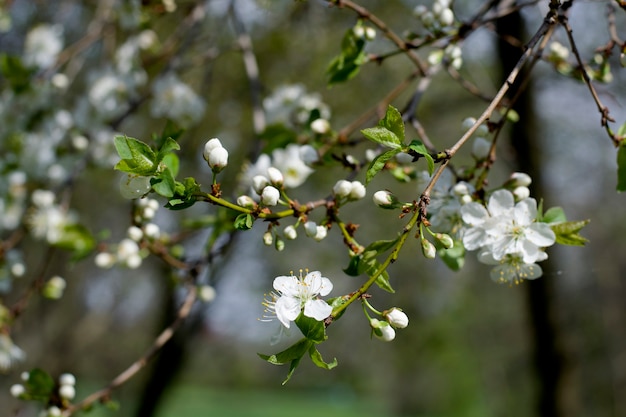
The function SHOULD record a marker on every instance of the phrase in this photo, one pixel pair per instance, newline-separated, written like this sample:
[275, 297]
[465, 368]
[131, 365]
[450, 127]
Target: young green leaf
[348, 63]
[419, 148]
[243, 222]
[312, 329]
[379, 163]
[554, 215]
[393, 122]
[383, 136]
[317, 359]
[137, 157]
[567, 233]
[163, 183]
[291, 355]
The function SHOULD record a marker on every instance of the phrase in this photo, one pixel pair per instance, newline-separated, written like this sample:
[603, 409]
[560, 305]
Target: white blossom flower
[174, 99]
[10, 353]
[505, 228]
[17, 390]
[298, 294]
[288, 161]
[43, 44]
[511, 268]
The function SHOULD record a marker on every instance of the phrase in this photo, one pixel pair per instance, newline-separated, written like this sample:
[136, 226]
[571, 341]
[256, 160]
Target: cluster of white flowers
[292, 162]
[128, 252]
[507, 235]
[66, 391]
[10, 353]
[439, 18]
[215, 155]
[291, 105]
[47, 220]
[295, 295]
[174, 99]
[43, 44]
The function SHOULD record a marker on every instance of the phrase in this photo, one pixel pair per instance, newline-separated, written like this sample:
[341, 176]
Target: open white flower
[297, 294]
[511, 268]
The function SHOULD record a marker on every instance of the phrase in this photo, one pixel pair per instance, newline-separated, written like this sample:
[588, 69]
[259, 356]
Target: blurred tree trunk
[548, 357]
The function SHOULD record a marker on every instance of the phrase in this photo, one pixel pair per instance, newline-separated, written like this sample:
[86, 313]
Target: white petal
[287, 309]
[525, 211]
[287, 285]
[317, 284]
[474, 214]
[501, 202]
[474, 238]
[540, 234]
[317, 309]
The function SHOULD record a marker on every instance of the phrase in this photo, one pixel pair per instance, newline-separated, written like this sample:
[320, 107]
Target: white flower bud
[279, 244]
[153, 231]
[521, 193]
[24, 376]
[275, 176]
[134, 233]
[218, 159]
[445, 240]
[67, 391]
[67, 379]
[246, 201]
[320, 126]
[16, 390]
[435, 57]
[382, 330]
[357, 191]
[206, 293]
[18, 269]
[521, 179]
[446, 17]
[481, 148]
[342, 188]
[133, 261]
[370, 33]
[310, 228]
[268, 239]
[127, 248]
[359, 31]
[460, 189]
[457, 63]
[428, 249]
[80, 143]
[60, 81]
[290, 232]
[104, 260]
[153, 204]
[210, 146]
[468, 122]
[42, 198]
[384, 199]
[419, 10]
[148, 213]
[428, 19]
[53, 289]
[404, 158]
[320, 233]
[259, 182]
[466, 199]
[270, 196]
[54, 411]
[396, 317]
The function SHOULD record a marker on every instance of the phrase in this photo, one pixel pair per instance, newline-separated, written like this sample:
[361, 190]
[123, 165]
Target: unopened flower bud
[466, 199]
[209, 146]
[308, 154]
[481, 148]
[310, 228]
[521, 193]
[17, 390]
[275, 176]
[133, 261]
[357, 190]
[218, 159]
[320, 233]
[445, 240]
[206, 293]
[104, 260]
[359, 31]
[152, 230]
[268, 239]
[290, 232]
[279, 244]
[428, 249]
[342, 188]
[134, 233]
[67, 379]
[270, 196]
[320, 126]
[419, 10]
[521, 179]
[370, 34]
[67, 392]
[259, 182]
[53, 411]
[382, 330]
[246, 201]
[384, 199]
[396, 317]
[460, 189]
[53, 289]
[446, 17]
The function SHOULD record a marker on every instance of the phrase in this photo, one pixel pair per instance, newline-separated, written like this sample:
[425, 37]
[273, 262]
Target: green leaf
[184, 194]
[40, 385]
[137, 157]
[419, 148]
[379, 163]
[291, 355]
[172, 162]
[170, 131]
[393, 122]
[164, 184]
[567, 233]
[347, 64]
[168, 146]
[454, 258]
[353, 267]
[317, 359]
[554, 215]
[621, 166]
[312, 329]
[243, 222]
[383, 136]
[15, 72]
[381, 246]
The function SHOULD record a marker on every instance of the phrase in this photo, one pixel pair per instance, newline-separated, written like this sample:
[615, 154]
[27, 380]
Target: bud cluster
[215, 155]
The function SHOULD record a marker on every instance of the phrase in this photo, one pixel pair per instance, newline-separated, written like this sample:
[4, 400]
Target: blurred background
[551, 347]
